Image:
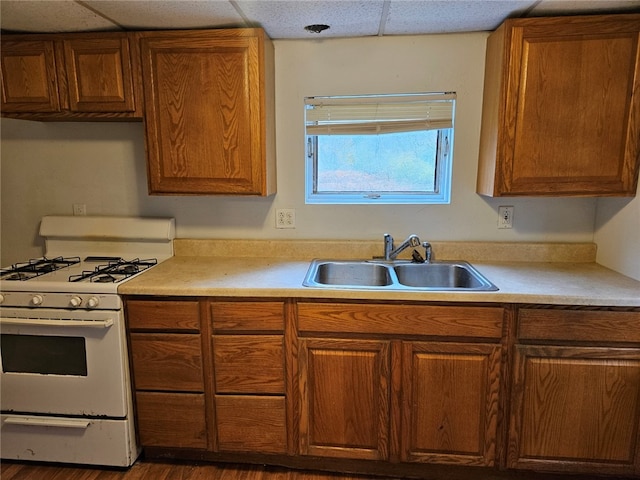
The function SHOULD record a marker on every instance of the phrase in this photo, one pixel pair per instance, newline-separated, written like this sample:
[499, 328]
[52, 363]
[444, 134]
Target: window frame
[443, 169]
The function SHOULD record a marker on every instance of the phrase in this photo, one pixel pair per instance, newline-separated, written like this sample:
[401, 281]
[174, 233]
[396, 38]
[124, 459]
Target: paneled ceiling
[287, 18]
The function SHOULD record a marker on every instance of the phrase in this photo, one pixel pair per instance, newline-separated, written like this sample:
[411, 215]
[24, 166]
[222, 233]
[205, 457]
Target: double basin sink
[396, 275]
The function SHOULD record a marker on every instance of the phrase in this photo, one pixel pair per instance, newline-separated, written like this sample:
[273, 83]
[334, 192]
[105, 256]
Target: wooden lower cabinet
[344, 398]
[395, 398]
[249, 376]
[168, 373]
[450, 408]
[397, 388]
[576, 408]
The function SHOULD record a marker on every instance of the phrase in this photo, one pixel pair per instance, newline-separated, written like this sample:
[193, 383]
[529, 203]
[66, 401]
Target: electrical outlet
[79, 209]
[286, 218]
[505, 217]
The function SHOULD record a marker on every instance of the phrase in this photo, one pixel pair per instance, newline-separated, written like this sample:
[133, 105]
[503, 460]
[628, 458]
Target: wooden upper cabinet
[561, 113]
[99, 74]
[29, 80]
[209, 112]
[71, 77]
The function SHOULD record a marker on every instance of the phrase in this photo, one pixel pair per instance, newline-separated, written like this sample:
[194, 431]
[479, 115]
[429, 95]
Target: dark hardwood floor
[146, 470]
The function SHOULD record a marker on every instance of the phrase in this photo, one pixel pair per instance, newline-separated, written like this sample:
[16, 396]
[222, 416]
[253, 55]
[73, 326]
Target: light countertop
[203, 268]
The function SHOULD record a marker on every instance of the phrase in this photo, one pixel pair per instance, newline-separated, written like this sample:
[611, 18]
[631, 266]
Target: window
[379, 149]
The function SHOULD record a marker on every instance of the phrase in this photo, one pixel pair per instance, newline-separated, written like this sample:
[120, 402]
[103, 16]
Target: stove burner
[127, 269]
[115, 271]
[36, 267]
[104, 279]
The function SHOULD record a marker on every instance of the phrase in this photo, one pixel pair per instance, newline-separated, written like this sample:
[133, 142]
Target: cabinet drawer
[248, 316]
[249, 363]
[577, 325]
[483, 322]
[167, 362]
[154, 315]
[247, 424]
[171, 419]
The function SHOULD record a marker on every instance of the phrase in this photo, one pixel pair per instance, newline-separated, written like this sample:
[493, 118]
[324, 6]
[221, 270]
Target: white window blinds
[372, 115]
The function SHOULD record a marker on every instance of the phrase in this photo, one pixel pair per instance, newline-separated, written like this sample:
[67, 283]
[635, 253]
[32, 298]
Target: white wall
[46, 167]
[618, 235]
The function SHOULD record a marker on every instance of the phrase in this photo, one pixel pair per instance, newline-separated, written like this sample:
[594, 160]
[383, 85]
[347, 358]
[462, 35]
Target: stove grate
[36, 267]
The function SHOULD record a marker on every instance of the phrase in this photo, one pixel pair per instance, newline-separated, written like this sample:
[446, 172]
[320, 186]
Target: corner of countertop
[555, 252]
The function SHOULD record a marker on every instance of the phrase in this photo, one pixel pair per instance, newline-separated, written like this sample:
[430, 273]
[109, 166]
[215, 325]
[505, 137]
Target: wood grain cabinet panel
[209, 112]
[83, 76]
[171, 420]
[29, 79]
[251, 423]
[345, 391]
[170, 362]
[249, 370]
[394, 319]
[249, 364]
[99, 74]
[450, 409]
[175, 315]
[247, 316]
[170, 375]
[576, 409]
[542, 324]
[561, 112]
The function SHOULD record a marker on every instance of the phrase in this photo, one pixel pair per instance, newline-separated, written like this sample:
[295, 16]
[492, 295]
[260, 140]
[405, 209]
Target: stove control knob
[75, 301]
[37, 300]
[93, 302]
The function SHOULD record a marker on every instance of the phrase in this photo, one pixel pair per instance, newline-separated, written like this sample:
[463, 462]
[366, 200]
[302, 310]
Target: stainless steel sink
[459, 275]
[396, 275]
[357, 274]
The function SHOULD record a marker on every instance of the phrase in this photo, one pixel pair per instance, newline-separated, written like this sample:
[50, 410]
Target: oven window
[51, 355]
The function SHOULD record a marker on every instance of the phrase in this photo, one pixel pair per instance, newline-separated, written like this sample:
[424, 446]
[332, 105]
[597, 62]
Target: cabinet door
[345, 391]
[205, 115]
[450, 393]
[99, 74]
[29, 80]
[576, 409]
[568, 120]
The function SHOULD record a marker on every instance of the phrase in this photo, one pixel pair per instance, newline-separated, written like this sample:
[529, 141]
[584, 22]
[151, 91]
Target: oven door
[63, 362]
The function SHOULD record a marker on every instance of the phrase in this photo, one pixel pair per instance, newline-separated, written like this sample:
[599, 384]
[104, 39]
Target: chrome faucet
[390, 252]
[428, 252]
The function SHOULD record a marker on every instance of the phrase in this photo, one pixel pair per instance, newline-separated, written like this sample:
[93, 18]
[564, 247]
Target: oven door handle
[48, 422]
[56, 323]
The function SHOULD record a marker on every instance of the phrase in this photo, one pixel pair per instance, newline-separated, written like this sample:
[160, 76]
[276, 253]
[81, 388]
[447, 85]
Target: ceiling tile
[50, 16]
[169, 14]
[408, 17]
[287, 18]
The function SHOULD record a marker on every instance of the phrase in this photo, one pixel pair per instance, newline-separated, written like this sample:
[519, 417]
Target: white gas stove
[65, 389]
